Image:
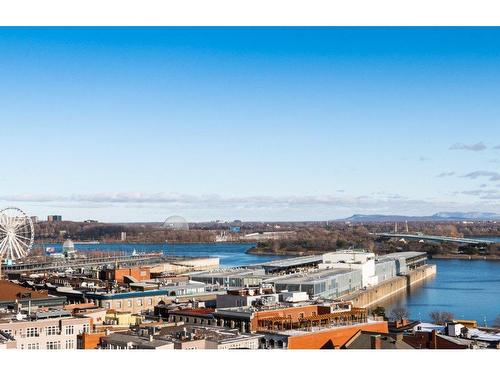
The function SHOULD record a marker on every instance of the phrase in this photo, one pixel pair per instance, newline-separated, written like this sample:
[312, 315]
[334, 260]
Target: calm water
[230, 254]
[469, 289]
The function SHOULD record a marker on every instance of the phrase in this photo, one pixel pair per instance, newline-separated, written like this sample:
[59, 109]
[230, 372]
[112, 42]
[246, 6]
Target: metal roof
[404, 254]
[313, 277]
[51, 314]
[290, 262]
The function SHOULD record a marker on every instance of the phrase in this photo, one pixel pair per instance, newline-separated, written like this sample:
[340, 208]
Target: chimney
[376, 342]
[150, 338]
[433, 339]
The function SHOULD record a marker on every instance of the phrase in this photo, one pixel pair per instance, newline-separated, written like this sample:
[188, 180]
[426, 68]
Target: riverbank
[371, 296]
[465, 257]
[288, 253]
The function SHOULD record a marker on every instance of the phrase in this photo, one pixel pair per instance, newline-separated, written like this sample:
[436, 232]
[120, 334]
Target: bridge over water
[425, 237]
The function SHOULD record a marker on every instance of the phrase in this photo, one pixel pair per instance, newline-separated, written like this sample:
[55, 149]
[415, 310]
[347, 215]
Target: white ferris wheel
[16, 234]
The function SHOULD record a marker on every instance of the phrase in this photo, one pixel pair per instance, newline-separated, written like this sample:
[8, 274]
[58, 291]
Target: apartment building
[45, 330]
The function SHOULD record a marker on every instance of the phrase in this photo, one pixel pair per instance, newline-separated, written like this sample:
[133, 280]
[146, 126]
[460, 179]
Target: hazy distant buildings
[54, 218]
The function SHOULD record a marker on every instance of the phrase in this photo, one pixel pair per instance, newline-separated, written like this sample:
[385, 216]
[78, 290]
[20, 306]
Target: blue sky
[137, 124]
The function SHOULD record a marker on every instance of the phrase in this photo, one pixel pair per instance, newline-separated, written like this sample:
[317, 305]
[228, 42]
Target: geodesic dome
[176, 223]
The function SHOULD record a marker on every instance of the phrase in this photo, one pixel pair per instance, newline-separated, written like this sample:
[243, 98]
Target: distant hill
[440, 216]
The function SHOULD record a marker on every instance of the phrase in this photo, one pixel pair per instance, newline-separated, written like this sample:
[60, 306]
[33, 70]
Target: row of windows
[51, 345]
[49, 331]
[128, 303]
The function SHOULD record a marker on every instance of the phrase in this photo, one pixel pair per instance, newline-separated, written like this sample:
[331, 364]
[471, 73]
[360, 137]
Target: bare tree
[399, 313]
[441, 317]
[379, 311]
[496, 323]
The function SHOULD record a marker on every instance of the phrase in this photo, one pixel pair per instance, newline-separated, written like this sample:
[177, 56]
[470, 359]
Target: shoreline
[464, 257]
[142, 243]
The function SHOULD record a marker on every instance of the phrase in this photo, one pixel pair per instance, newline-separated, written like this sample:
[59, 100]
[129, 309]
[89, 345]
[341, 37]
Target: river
[230, 254]
[470, 289]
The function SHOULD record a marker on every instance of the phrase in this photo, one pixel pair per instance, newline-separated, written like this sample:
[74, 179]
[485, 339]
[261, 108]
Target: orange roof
[198, 312]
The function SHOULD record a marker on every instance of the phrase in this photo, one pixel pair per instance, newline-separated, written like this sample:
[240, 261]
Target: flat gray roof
[124, 338]
[225, 272]
[312, 277]
[290, 262]
[404, 254]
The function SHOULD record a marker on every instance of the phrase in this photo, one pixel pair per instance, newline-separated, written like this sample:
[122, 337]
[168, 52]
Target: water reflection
[448, 291]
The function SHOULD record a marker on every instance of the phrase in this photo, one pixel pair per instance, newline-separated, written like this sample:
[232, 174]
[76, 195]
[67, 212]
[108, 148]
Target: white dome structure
[69, 248]
[176, 223]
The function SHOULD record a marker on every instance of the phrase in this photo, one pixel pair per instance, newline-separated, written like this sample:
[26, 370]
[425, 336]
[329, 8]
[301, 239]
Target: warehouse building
[328, 283]
[405, 261]
[231, 277]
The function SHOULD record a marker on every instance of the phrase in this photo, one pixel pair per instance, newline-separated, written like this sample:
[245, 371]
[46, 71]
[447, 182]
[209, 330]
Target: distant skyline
[137, 124]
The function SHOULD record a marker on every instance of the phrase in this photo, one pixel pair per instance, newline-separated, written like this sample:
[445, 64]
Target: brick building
[121, 275]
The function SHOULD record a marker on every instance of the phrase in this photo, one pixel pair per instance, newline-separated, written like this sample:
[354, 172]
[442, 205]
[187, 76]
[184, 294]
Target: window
[107, 305]
[150, 301]
[50, 331]
[70, 330]
[34, 346]
[139, 302]
[129, 303]
[53, 345]
[119, 304]
[70, 344]
[32, 332]
[86, 328]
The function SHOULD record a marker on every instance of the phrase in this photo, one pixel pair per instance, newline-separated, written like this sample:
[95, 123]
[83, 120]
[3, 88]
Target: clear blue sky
[136, 124]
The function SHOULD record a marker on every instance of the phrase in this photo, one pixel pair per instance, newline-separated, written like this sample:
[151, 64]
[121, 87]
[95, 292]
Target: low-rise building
[247, 297]
[139, 301]
[376, 340]
[13, 295]
[121, 318]
[405, 261]
[189, 336]
[121, 275]
[128, 341]
[326, 283]
[353, 260]
[231, 277]
[45, 330]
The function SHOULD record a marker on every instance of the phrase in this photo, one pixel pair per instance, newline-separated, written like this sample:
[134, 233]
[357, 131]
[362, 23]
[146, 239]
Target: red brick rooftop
[194, 312]
[10, 292]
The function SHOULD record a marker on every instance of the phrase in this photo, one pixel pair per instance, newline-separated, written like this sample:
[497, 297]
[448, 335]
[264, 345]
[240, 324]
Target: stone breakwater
[373, 295]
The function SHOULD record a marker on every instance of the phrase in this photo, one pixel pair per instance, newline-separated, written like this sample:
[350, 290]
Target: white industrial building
[353, 260]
